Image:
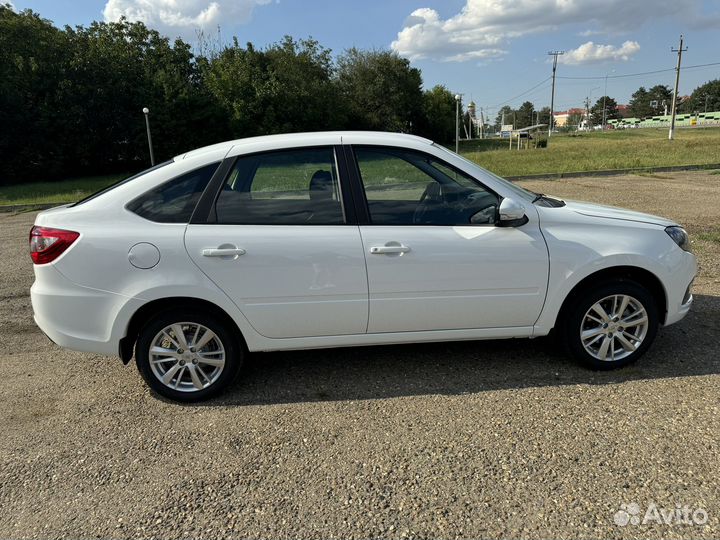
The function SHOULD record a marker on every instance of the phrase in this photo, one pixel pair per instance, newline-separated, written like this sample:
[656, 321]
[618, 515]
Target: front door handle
[384, 250]
[223, 252]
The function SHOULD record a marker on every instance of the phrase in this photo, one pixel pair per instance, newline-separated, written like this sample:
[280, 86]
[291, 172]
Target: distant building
[560, 118]
[624, 111]
[471, 109]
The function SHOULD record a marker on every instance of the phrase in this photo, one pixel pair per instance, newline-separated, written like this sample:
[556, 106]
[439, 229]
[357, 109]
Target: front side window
[175, 200]
[289, 187]
[404, 187]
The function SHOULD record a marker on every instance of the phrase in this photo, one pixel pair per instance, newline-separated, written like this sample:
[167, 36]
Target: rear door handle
[223, 252]
[384, 250]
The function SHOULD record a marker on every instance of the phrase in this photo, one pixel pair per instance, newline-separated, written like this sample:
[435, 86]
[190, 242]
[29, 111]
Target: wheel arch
[618, 273]
[145, 312]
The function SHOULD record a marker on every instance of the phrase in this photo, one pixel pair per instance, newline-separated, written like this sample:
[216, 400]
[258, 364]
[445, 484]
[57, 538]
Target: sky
[494, 52]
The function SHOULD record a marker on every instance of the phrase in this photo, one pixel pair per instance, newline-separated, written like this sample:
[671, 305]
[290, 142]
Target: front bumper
[680, 298]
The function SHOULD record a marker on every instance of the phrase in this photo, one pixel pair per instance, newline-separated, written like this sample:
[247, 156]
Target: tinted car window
[175, 200]
[290, 187]
[411, 188]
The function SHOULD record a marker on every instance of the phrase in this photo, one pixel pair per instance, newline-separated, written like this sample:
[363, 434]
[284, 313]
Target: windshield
[121, 182]
[479, 172]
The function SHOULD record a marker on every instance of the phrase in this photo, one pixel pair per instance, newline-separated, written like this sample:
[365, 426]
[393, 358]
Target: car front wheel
[187, 356]
[611, 325]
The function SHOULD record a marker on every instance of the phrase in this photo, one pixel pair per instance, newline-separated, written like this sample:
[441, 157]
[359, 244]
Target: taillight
[48, 244]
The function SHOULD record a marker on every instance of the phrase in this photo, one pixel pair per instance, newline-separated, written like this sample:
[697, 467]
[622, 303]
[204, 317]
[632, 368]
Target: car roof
[238, 146]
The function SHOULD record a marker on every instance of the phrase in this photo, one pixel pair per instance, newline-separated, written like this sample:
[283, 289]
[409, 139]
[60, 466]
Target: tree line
[71, 99]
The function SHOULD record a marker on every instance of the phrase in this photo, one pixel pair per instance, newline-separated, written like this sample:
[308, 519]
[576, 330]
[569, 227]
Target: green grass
[711, 236]
[55, 192]
[600, 151]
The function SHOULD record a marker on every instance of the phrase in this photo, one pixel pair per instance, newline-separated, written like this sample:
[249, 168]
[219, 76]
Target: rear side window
[290, 187]
[175, 200]
[121, 182]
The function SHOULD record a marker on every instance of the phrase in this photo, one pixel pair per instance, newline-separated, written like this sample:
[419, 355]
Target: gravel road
[482, 439]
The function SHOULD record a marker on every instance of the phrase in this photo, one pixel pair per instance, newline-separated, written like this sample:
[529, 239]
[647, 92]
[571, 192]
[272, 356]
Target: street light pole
[457, 123]
[146, 112]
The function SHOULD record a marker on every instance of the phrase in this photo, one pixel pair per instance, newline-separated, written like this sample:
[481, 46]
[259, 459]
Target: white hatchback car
[335, 239]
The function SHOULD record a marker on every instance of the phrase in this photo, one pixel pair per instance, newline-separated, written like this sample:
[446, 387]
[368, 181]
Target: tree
[574, 119]
[505, 112]
[640, 103]
[662, 95]
[705, 97]
[524, 115]
[32, 51]
[438, 118]
[72, 99]
[611, 108]
[286, 87]
[380, 89]
[646, 103]
[544, 115]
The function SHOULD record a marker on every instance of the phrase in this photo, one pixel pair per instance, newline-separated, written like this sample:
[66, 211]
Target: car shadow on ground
[689, 348]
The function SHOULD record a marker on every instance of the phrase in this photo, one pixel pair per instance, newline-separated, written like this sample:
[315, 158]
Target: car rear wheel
[187, 356]
[611, 325]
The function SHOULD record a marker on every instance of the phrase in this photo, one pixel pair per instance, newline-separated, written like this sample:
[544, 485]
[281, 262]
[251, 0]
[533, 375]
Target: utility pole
[706, 100]
[587, 112]
[554, 54]
[457, 123]
[679, 51]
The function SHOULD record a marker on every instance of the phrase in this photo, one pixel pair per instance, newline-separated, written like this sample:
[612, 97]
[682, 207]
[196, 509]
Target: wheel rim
[614, 327]
[187, 356]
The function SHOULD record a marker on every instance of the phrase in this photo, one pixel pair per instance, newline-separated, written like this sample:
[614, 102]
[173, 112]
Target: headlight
[679, 236]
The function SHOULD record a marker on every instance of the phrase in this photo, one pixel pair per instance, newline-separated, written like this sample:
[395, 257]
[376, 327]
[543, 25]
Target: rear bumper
[76, 317]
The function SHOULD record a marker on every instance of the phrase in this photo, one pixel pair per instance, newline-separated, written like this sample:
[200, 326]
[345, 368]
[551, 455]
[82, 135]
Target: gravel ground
[483, 439]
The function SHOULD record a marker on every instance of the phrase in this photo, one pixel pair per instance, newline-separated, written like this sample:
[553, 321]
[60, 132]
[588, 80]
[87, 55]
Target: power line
[641, 73]
[520, 95]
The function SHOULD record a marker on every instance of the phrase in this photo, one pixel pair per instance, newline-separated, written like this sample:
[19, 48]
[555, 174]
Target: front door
[435, 258]
[281, 248]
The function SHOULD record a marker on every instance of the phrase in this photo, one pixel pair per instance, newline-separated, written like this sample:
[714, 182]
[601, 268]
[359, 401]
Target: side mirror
[511, 213]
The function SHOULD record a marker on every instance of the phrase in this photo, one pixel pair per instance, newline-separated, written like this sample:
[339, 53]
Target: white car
[337, 239]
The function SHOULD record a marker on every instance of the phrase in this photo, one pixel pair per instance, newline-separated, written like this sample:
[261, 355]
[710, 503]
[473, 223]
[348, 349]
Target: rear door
[282, 244]
[435, 258]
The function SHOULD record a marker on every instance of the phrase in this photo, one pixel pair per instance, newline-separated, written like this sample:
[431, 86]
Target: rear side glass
[122, 182]
[175, 200]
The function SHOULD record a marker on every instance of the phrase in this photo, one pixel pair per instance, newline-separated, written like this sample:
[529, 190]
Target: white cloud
[588, 33]
[182, 17]
[589, 53]
[483, 28]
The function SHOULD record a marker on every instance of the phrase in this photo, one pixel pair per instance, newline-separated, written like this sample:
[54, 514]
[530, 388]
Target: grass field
[566, 153]
[55, 192]
[600, 151]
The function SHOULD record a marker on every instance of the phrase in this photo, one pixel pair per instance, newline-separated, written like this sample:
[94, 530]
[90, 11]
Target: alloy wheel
[614, 327]
[187, 356]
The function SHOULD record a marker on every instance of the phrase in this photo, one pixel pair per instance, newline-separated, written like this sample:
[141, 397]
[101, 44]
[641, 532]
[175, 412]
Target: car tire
[172, 365]
[610, 325]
